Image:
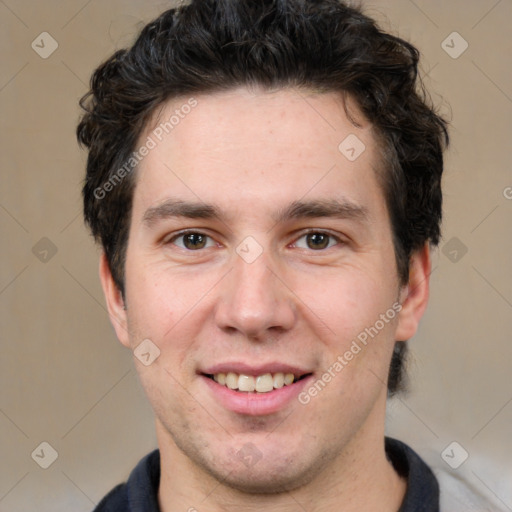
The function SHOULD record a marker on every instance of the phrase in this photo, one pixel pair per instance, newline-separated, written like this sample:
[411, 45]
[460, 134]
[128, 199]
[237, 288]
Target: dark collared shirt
[140, 493]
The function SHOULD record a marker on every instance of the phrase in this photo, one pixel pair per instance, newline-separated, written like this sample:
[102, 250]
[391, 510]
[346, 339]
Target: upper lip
[252, 369]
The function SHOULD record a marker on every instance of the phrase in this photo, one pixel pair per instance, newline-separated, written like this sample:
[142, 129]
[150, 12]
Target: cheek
[346, 301]
[153, 308]
[163, 305]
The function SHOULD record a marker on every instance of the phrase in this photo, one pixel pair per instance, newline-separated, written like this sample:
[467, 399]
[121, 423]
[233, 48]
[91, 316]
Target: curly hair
[215, 45]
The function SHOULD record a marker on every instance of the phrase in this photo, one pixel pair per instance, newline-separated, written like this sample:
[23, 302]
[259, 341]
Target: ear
[115, 302]
[414, 295]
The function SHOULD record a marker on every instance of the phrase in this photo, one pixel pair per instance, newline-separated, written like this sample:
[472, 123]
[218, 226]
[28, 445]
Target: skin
[251, 153]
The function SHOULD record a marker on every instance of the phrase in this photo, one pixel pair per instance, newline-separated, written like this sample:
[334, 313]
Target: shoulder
[116, 500]
[422, 493]
[141, 488]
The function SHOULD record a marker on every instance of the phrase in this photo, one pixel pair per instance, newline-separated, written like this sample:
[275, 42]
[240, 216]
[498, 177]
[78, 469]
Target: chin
[281, 466]
[264, 482]
[277, 471]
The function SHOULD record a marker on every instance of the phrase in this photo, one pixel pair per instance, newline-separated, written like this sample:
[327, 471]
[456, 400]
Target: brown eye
[192, 241]
[316, 241]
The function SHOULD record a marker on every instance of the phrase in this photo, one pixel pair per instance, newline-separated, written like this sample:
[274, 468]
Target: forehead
[260, 147]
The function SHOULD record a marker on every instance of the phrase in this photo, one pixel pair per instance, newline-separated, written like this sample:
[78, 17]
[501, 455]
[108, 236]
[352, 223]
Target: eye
[316, 240]
[192, 241]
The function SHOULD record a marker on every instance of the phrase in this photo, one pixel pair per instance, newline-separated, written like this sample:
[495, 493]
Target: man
[264, 179]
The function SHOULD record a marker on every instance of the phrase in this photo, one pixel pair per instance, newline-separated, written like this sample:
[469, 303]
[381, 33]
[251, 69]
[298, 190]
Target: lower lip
[256, 404]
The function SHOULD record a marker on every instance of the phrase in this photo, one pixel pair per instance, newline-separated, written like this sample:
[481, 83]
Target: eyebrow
[333, 208]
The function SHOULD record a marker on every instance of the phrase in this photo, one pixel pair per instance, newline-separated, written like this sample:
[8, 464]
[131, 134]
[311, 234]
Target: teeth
[278, 380]
[264, 383]
[231, 381]
[260, 384]
[246, 383]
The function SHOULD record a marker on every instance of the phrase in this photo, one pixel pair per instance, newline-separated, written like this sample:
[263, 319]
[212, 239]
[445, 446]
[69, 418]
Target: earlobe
[115, 302]
[414, 296]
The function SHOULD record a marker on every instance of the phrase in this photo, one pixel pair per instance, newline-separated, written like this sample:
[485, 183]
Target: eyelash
[304, 234]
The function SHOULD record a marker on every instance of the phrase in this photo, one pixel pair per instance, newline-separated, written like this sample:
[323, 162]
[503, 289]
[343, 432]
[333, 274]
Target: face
[258, 252]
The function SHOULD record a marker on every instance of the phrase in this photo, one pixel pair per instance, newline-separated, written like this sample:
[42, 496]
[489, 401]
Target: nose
[254, 300]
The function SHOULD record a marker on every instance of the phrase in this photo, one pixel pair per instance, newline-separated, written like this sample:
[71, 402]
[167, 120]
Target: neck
[359, 478]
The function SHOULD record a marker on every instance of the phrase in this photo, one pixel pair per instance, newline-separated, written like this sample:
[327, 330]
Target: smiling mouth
[255, 384]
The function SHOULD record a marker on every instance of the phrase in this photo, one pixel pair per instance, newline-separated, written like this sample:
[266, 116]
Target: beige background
[65, 380]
